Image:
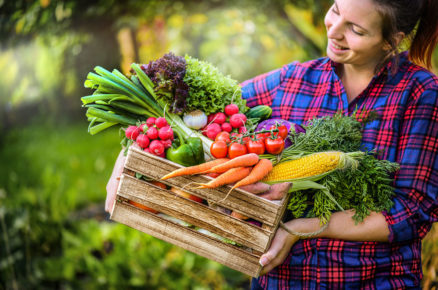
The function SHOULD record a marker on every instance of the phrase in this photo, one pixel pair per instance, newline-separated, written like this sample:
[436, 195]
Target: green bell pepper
[189, 152]
[198, 150]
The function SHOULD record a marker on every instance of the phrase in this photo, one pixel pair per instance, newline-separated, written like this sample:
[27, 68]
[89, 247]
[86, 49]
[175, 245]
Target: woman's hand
[280, 248]
[113, 183]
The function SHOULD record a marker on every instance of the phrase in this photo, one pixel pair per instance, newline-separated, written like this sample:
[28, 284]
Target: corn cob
[313, 165]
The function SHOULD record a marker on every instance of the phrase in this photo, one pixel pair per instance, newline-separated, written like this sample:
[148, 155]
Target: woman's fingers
[113, 183]
[277, 253]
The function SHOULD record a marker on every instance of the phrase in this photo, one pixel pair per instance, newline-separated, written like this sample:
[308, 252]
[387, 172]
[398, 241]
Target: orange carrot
[230, 176]
[196, 169]
[240, 161]
[263, 167]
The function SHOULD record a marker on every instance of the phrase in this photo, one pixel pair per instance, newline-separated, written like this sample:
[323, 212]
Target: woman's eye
[357, 32]
[335, 10]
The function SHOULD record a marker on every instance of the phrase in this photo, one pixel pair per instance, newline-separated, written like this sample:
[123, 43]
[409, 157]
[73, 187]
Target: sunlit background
[54, 233]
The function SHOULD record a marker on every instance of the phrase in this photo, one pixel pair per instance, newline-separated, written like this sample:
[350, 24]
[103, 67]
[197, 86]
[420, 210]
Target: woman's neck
[355, 80]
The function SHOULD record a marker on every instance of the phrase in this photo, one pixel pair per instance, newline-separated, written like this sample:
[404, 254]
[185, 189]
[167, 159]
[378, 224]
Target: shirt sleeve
[262, 89]
[416, 200]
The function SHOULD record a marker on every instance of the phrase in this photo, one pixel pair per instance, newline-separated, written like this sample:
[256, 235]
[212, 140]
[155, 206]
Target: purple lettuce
[167, 73]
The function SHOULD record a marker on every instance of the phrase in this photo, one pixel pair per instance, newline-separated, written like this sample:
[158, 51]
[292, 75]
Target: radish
[161, 122]
[237, 120]
[212, 130]
[226, 127]
[231, 109]
[142, 141]
[166, 143]
[150, 121]
[156, 147]
[210, 118]
[143, 128]
[165, 133]
[152, 133]
[132, 132]
[220, 118]
[242, 129]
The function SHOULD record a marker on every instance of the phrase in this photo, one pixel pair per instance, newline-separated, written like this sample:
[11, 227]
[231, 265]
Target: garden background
[54, 233]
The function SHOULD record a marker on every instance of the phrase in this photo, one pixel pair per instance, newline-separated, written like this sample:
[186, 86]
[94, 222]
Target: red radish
[237, 120]
[146, 150]
[242, 129]
[165, 133]
[231, 109]
[142, 141]
[167, 143]
[161, 122]
[143, 128]
[132, 132]
[212, 130]
[150, 121]
[156, 147]
[210, 118]
[226, 127]
[163, 155]
[220, 118]
[152, 133]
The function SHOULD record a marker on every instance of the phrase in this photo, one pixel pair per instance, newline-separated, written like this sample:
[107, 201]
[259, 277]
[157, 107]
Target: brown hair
[418, 20]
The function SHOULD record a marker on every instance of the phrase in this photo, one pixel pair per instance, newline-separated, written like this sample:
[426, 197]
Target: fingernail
[263, 261]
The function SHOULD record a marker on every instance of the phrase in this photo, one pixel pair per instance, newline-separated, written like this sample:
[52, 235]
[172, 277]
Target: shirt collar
[385, 70]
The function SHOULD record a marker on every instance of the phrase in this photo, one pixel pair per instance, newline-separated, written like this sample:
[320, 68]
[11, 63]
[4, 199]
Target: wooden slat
[187, 238]
[194, 213]
[241, 201]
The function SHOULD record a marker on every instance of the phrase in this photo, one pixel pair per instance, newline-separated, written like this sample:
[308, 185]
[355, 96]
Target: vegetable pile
[186, 111]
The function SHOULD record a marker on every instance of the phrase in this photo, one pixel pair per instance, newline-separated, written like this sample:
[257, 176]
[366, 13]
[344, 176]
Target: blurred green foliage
[53, 231]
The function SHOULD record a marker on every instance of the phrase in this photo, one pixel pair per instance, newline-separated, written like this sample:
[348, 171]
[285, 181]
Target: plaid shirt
[407, 130]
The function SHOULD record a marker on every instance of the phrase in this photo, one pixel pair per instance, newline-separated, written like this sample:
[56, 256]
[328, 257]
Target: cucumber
[262, 112]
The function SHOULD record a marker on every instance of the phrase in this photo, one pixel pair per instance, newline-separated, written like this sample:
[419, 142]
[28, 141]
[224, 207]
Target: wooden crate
[252, 240]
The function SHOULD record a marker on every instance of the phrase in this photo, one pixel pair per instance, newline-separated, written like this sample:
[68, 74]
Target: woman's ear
[398, 38]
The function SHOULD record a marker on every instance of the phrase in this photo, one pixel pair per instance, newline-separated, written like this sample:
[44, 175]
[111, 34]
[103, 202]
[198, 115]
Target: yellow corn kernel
[310, 165]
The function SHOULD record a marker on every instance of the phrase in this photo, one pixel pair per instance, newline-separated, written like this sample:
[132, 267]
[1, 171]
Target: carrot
[230, 176]
[263, 167]
[196, 169]
[240, 161]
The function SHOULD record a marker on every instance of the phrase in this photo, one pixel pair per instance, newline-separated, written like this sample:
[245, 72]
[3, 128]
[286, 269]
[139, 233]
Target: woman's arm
[341, 226]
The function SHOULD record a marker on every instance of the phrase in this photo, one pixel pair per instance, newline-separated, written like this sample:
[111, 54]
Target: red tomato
[282, 131]
[236, 149]
[263, 136]
[219, 149]
[256, 146]
[274, 146]
[223, 136]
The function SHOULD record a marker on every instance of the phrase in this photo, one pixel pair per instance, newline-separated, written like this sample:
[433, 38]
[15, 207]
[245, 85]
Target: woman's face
[354, 31]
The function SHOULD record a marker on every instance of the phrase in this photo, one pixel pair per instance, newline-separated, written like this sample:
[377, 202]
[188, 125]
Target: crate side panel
[241, 201]
[194, 213]
[188, 239]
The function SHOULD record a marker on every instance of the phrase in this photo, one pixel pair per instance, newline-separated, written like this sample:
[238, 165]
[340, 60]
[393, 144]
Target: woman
[363, 71]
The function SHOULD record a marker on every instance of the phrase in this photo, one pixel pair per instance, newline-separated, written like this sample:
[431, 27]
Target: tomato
[224, 136]
[263, 136]
[282, 131]
[236, 149]
[219, 149]
[256, 146]
[274, 146]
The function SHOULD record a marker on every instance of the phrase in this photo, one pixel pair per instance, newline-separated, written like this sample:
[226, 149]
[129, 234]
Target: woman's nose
[334, 30]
